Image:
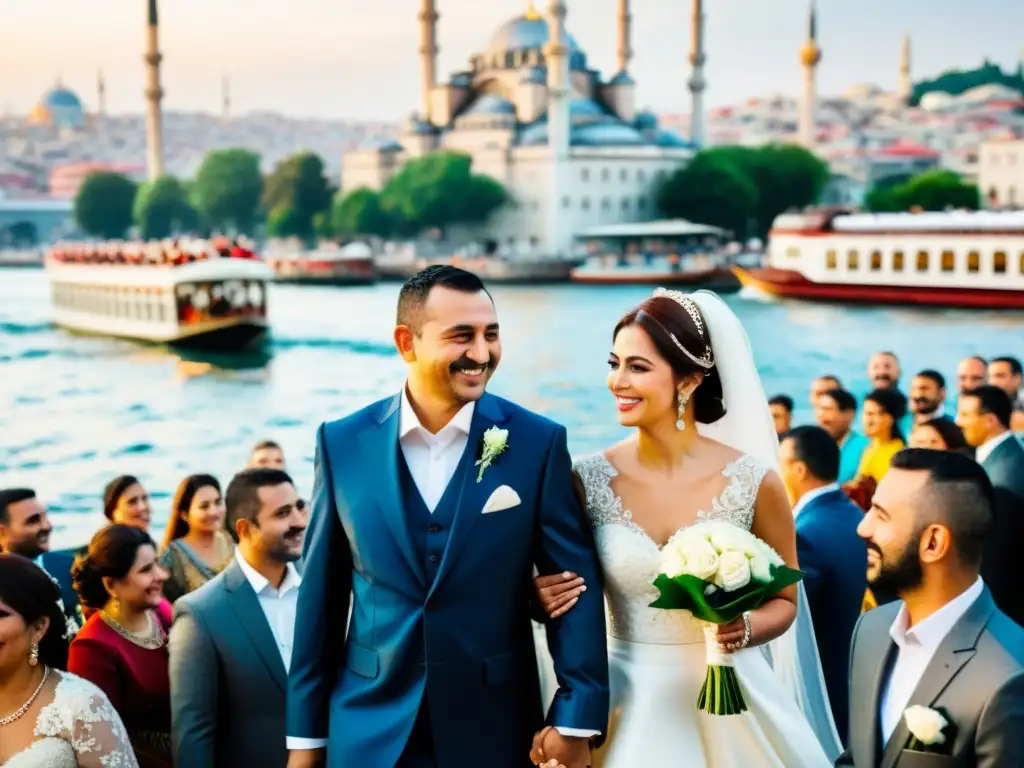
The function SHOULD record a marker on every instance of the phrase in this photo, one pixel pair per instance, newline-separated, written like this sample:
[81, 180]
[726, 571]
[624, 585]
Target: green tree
[285, 222]
[162, 208]
[299, 183]
[103, 206]
[712, 190]
[227, 190]
[930, 191]
[939, 190]
[360, 213]
[437, 191]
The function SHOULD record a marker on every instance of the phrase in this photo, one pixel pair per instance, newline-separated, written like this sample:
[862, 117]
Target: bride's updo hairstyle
[677, 329]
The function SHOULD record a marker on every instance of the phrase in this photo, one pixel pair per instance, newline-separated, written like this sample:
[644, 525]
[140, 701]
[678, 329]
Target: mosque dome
[525, 33]
[810, 54]
[60, 108]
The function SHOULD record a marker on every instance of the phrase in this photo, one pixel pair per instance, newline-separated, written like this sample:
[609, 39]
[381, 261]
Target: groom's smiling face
[455, 347]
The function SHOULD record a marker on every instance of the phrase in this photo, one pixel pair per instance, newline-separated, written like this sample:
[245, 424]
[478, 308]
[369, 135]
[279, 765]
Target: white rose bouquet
[717, 572]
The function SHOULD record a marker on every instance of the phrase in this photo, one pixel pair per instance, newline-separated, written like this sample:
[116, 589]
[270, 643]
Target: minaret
[810, 55]
[906, 85]
[625, 53]
[697, 82]
[225, 104]
[154, 93]
[428, 53]
[101, 95]
[557, 59]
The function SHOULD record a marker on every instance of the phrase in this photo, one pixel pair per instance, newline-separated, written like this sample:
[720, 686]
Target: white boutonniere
[494, 443]
[928, 730]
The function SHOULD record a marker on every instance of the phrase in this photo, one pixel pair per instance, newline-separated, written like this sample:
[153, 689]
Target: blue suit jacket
[58, 565]
[834, 560]
[463, 641]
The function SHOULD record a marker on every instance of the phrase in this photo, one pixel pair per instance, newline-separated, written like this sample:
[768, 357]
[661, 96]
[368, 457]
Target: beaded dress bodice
[630, 558]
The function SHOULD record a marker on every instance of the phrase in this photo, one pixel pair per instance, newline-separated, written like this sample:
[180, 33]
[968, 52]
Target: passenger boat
[351, 265]
[196, 294]
[673, 252]
[948, 259]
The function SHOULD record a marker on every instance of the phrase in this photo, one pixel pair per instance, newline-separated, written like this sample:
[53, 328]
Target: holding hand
[736, 635]
[553, 750]
[558, 593]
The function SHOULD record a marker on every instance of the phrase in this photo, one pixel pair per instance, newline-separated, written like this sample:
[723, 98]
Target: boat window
[876, 261]
[999, 262]
[851, 260]
[793, 252]
[948, 261]
[973, 261]
[830, 259]
[897, 261]
[922, 261]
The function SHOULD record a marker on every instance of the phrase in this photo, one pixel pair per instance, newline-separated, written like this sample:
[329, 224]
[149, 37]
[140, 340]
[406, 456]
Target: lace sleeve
[83, 715]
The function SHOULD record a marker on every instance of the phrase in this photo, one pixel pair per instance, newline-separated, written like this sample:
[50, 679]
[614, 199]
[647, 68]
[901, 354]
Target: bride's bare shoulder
[720, 452]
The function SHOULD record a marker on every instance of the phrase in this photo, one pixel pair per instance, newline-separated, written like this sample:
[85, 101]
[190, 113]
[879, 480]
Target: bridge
[25, 223]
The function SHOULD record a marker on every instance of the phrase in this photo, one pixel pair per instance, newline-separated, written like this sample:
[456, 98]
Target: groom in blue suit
[430, 510]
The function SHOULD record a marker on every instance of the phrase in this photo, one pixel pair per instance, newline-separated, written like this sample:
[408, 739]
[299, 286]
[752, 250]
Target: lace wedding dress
[657, 659]
[78, 729]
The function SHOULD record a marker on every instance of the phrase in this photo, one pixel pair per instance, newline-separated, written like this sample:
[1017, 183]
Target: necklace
[151, 641]
[25, 707]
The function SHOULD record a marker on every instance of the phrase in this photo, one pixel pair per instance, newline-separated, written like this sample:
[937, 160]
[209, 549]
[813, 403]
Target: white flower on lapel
[926, 725]
[495, 442]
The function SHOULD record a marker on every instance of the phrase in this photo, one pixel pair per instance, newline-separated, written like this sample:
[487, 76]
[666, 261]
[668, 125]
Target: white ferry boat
[192, 297]
[950, 259]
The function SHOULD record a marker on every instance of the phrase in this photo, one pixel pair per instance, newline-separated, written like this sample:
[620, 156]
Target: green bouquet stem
[721, 693]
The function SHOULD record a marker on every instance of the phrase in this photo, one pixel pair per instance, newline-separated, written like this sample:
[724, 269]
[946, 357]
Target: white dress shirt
[984, 450]
[810, 496]
[916, 647]
[278, 604]
[432, 459]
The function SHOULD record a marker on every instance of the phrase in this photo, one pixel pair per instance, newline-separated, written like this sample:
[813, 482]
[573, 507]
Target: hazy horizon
[314, 59]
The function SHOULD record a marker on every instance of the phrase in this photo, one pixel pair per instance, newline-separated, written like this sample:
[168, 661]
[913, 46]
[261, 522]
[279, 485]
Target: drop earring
[33, 655]
[681, 410]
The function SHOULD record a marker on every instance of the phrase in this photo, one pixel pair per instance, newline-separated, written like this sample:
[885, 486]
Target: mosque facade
[570, 146]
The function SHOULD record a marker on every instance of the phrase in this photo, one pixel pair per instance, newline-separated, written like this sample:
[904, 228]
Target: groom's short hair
[414, 293]
[958, 494]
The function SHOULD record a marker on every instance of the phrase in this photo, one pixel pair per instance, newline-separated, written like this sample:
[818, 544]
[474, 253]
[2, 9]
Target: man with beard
[884, 370]
[231, 641]
[927, 396]
[25, 530]
[944, 645]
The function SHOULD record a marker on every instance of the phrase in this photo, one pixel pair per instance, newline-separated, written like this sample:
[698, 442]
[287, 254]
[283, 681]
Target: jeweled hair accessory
[707, 360]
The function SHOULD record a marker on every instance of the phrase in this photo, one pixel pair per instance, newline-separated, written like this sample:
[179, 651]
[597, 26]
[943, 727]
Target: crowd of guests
[114, 627]
[170, 252]
[196, 677]
[831, 471]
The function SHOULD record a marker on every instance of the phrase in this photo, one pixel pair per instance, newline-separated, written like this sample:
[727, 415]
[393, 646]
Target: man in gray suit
[944, 645]
[231, 641]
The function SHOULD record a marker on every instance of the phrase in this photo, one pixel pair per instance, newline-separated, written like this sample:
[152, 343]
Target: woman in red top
[122, 648]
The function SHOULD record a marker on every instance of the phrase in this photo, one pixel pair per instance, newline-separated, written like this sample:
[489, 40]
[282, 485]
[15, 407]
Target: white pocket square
[502, 498]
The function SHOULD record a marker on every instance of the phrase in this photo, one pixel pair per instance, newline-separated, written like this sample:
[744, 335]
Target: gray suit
[228, 680]
[976, 675]
[1005, 468]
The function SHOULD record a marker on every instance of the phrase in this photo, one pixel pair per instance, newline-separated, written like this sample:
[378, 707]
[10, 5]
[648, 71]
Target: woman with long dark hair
[126, 501]
[196, 544]
[123, 646]
[49, 718]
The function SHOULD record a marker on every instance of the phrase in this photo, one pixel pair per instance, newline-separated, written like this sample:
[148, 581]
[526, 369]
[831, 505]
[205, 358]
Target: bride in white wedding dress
[684, 377]
[48, 718]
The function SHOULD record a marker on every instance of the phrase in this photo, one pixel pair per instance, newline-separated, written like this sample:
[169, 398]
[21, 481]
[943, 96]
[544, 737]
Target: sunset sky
[358, 58]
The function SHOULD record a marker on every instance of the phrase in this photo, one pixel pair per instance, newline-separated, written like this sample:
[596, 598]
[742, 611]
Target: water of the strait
[77, 410]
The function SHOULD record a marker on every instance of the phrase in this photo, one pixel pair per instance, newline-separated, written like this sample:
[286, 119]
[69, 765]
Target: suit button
[432, 558]
[433, 528]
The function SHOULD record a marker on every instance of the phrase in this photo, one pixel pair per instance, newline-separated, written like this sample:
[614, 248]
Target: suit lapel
[473, 495]
[953, 653]
[381, 445]
[247, 608]
[871, 663]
